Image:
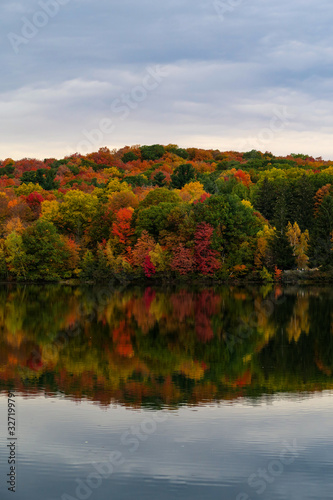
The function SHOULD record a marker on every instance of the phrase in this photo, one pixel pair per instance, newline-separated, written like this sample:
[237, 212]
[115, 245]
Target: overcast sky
[230, 74]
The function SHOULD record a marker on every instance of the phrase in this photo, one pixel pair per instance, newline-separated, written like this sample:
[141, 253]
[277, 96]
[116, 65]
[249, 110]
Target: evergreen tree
[282, 252]
[321, 241]
[265, 199]
[182, 175]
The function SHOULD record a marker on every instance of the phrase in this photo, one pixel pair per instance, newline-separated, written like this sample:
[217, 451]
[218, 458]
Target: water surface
[190, 392]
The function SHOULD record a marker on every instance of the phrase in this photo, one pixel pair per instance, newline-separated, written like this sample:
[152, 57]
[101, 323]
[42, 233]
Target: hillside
[163, 211]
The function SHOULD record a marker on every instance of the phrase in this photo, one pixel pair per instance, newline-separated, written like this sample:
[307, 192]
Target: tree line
[165, 211]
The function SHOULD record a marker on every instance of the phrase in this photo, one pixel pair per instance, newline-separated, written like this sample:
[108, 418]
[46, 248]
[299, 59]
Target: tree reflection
[159, 346]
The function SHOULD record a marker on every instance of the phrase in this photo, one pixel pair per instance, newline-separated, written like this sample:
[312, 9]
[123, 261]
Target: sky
[238, 75]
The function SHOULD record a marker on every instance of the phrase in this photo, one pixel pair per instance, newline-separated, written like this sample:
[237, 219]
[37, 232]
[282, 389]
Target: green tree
[282, 252]
[159, 179]
[46, 256]
[159, 195]
[129, 156]
[265, 199]
[182, 175]
[154, 218]
[321, 240]
[236, 227]
[137, 180]
[301, 202]
[152, 152]
[43, 177]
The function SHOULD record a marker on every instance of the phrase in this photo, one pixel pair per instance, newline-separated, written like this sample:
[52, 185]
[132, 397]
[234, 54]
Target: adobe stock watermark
[123, 106]
[279, 121]
[31, 27]
[262, 478]
[226, 7]
[130, 440]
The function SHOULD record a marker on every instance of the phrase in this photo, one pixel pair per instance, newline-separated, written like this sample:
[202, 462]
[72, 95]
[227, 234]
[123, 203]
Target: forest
[165, 212]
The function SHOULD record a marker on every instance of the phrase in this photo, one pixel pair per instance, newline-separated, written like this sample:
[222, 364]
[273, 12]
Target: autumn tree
[160, 257]
[192, 191]
[34, 201]
[205, 258]
[122, 199]
[76, 212]
[142, 248]
[263, 255]
[148, 267]
[320, 195]
[16, 255]
[183, 260]
[121, 227]
[299, 242]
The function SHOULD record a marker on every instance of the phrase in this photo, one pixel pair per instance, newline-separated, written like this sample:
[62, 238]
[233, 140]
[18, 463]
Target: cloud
[227, 73]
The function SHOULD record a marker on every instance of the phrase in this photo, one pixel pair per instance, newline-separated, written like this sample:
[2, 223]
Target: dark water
[182, 393]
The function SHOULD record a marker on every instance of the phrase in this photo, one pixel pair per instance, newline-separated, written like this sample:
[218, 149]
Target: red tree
[121, 227]
[205, 258]
[149, 267]
[34, 201]
[183, 260]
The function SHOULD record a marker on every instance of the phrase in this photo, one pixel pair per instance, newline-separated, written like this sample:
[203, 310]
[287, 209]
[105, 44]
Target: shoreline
[289, 277]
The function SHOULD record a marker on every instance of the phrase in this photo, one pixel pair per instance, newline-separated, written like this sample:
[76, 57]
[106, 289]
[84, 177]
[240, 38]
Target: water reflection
[154, 347]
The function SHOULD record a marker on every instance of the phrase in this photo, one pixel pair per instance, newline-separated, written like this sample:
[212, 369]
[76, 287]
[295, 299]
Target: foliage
[299, 242]
[121, 227]
[45, 252]
[152, 152]
[142, 248]
[129, 156]
[185, 212]
[182, 175]
[160, 195]
[76, 211]
[148, 267]
[205, 258]
[183, 260]
[265, 275]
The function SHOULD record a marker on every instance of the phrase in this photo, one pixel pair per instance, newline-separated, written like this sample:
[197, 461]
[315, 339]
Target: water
[181, 393]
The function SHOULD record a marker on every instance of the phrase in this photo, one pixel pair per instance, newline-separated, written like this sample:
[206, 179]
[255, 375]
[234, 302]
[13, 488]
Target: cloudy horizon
[229, 75]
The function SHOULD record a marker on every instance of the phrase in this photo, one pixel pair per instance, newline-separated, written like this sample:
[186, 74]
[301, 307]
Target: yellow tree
[15, 255]
[50, 210]
[116, 186]
[77, 211]
[262, 251]
[26, 189]
[14, 224]
[191, 192]
[299, 242]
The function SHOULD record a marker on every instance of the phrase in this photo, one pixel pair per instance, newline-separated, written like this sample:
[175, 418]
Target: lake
[180, 392]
